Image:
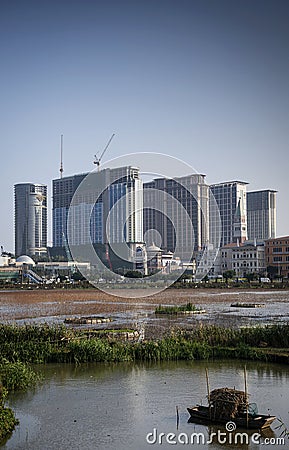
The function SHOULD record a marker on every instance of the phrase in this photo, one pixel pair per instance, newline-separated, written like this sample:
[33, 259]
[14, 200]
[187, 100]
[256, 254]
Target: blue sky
[206, 81]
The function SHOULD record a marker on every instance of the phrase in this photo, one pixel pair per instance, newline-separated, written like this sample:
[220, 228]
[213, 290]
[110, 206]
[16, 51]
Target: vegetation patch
[17, 375]
[8, 420]
[43, 344]
[13, 376]
[188, 308]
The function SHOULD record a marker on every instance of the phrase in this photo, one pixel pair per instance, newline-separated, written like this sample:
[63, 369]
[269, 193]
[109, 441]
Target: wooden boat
[205, 414]
[230, 405]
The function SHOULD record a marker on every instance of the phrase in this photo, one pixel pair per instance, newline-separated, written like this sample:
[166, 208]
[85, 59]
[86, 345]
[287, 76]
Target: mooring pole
[246, 394]
[208, 390]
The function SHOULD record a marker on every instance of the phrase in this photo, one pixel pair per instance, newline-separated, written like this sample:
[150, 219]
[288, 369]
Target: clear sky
[204, 80]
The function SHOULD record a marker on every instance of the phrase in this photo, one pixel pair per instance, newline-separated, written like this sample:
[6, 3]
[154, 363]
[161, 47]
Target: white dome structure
[153, 248]
[24, 259]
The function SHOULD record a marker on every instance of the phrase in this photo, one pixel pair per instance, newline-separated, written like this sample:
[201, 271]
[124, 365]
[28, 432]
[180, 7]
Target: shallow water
[115, 406]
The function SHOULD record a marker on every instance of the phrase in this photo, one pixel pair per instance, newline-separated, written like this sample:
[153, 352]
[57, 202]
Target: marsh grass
[175, 309]
[43, 344]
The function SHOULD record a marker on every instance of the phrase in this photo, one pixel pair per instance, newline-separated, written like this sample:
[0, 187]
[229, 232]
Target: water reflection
[115, 406]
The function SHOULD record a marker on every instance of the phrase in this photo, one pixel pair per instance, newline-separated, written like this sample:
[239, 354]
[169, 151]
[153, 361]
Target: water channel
[115, 406]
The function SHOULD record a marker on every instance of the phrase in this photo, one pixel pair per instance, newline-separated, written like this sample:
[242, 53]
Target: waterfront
[114, 406]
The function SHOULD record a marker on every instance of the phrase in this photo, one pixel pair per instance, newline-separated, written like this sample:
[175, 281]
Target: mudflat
[21, 304]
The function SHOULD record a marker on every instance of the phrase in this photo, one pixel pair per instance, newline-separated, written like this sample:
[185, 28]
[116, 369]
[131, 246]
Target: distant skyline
[206, 81]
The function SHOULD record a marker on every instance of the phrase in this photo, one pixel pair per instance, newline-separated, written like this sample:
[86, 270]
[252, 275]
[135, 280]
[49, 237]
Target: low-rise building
[277, 256]
[245, 258]
[63, 266]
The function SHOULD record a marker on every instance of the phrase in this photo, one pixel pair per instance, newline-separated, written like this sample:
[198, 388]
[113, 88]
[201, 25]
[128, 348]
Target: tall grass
[175, 309]
[276, 336]
[38, 344]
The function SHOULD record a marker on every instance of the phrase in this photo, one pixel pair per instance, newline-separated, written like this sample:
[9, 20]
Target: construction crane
[98, 160]
[61, 156]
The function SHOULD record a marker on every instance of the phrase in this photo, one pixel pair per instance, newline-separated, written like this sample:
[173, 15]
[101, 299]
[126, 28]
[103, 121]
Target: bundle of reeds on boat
[226, 402]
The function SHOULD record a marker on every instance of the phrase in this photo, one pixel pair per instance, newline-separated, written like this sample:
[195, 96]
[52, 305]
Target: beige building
[245, 258]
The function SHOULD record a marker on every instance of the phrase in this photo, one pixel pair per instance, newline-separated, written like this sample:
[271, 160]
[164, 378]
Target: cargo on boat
[229, 405]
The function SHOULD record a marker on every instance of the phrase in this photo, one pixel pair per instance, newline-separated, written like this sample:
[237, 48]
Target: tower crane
[98, 160]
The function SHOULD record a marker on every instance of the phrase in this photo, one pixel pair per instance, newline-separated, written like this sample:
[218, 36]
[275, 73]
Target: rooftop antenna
[61, 156]
[98, 160]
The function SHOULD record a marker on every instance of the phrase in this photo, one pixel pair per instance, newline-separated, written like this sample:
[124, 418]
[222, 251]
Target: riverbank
[140, 283]
[44, 344]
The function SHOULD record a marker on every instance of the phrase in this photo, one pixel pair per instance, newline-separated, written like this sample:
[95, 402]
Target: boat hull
[200, 414]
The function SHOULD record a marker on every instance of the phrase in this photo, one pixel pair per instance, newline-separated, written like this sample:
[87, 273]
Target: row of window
[245, 264]
[240, 255]
[280, 249]
[280, 258]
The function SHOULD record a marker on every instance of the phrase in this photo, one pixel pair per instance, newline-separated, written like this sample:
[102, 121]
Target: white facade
[243, 259]
[30, 219]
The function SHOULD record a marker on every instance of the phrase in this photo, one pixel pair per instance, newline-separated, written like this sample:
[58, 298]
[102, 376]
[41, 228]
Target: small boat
[230, 405]
[201, 414]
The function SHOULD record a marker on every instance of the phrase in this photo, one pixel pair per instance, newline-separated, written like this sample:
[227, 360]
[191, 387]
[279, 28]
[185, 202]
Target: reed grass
[175, 309]
[43, 344]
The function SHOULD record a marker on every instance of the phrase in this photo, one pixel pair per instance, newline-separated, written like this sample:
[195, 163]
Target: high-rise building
[261, 214]
[232, 203]
[177, 211]
[30, 202]
[103, 207]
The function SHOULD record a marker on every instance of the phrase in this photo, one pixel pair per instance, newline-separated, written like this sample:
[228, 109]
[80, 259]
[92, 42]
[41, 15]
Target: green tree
[229, 274]
[272, 271]
[251, 276]
[133, 274]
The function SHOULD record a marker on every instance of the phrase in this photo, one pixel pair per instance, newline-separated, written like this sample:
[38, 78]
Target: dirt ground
[93, 301]
[20, 304]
